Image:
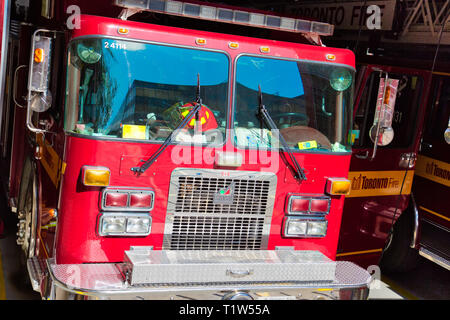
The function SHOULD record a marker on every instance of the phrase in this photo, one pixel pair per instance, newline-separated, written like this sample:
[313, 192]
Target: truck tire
[398, 256]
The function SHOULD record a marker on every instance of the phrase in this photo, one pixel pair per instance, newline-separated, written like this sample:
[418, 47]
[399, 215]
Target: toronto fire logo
[363, 182]
[225, 195]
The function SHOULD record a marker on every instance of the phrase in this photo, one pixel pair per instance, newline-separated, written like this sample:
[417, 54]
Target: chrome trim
[415, 239]
[29, 122]
[234, 175]
[293, 196]
[128, 191]
[4, 55]
[351, 282]
[303, 218]
[125, 215]
[15, 86]
[441, 261]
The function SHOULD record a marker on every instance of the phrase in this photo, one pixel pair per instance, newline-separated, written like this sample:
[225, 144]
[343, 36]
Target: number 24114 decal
[115, 45]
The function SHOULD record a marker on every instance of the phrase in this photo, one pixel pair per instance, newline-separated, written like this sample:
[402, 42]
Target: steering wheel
[290, 115]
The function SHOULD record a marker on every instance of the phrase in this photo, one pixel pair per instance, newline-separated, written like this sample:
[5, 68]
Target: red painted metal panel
[78, 239]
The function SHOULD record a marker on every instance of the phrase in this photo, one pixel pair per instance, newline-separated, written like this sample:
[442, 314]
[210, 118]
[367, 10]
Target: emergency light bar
[228, 15]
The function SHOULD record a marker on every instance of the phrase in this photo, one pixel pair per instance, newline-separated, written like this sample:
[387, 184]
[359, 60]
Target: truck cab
[161, 159]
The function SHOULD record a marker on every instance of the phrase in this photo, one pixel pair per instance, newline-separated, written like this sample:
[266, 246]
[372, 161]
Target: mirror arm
[29, 121]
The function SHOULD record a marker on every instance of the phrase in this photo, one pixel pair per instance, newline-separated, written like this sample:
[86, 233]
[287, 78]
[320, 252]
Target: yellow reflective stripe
[434, 170]
[358, 252]
[441, 73]
[435, 213]
[380, 183]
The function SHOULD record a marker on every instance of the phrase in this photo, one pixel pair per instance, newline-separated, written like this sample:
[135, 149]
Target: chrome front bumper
[279, 275]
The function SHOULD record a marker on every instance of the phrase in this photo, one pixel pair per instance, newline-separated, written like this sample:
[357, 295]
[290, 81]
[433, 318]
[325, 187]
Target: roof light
[233, 45]
[200, 42]
[264, 49]
[221, 14]
[122, 30]
[330, 57]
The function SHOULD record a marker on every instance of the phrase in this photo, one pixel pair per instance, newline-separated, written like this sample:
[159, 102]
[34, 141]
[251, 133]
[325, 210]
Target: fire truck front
[201, 165]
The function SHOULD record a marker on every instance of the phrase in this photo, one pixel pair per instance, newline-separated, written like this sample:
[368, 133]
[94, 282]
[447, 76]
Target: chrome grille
[203, 233]
[196, 195]
[197, 222]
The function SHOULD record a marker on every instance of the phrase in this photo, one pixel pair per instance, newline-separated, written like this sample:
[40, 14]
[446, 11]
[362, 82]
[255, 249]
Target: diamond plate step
[443, 262]
[37, 269]
[228, 266]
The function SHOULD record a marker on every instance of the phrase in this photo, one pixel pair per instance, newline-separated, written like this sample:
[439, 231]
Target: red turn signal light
[141, 200]
[299, 205]
[114, 199]
[308, 204]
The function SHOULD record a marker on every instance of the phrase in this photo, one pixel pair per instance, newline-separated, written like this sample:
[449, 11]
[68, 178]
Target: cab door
[432, 176]
[381, 175]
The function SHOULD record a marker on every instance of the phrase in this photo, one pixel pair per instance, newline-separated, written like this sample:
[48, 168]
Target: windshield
[133, 90]
[310, 103]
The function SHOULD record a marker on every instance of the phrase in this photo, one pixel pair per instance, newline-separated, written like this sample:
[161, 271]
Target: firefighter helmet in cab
[179, 111]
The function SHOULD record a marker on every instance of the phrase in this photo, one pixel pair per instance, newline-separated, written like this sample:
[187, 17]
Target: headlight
[138, 225]
[113, 225]
[304, 228]
[296, 227]
[125, 225]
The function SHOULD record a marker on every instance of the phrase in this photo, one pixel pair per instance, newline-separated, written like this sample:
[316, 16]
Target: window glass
[132, 90]
[310, 103]
[407, 101]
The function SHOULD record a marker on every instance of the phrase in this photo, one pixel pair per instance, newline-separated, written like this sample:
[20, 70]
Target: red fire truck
[397, 209]
[167, 150]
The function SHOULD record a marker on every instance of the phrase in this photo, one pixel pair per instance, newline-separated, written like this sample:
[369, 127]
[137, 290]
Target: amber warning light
[95, 176]
[38, 55]
[338, 186]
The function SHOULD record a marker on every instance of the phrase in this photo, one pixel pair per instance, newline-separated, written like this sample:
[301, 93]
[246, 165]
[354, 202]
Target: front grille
[197, 195]
[196, 221]
[203, 233]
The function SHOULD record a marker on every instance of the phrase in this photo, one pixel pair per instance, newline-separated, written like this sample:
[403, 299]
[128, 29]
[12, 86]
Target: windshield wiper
[198, 104]
[264, 115]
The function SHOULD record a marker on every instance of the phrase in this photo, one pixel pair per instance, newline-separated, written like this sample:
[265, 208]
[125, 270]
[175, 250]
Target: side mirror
[381, 132]
[39, 95]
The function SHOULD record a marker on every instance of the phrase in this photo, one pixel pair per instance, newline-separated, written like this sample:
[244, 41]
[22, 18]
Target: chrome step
[434, 257]
[36, 270]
